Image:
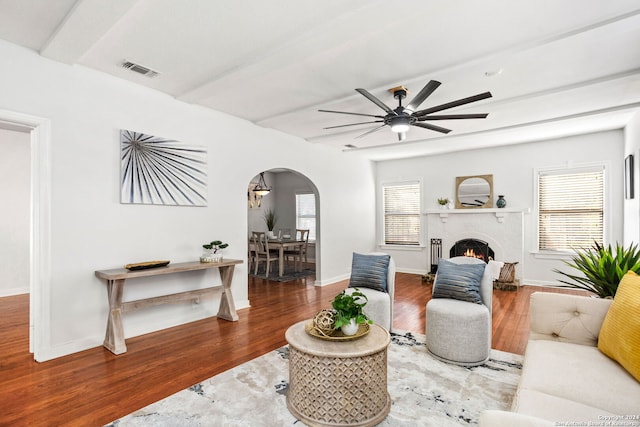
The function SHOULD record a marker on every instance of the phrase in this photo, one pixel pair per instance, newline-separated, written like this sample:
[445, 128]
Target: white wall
[14, 212]
[513, 176]
[90, 230]
[632, 206]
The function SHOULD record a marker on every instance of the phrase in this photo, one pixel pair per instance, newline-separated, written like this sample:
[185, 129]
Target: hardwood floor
[94, 387]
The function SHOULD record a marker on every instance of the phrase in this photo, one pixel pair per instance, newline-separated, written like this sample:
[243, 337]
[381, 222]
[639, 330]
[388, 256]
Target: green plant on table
[443, 201]
[349, 306]
[216, 245]
[602, 268]
[270, 218]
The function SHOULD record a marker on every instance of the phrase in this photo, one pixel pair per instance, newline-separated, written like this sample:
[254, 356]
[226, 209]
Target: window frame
[420, 242]
[312, 233]
[569, 169]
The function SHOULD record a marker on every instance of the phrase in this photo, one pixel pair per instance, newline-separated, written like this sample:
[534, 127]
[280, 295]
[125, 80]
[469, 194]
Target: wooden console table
[114, 338]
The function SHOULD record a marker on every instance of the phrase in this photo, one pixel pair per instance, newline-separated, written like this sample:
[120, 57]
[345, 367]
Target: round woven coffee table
[338, 383]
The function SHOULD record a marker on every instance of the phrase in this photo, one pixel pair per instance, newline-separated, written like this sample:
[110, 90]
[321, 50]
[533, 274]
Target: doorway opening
[38, 207]
[294, 201]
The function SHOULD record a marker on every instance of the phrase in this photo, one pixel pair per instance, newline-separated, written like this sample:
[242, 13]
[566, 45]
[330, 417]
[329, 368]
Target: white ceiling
[565, 67]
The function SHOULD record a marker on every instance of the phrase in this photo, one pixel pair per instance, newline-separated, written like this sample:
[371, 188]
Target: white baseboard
[332, 280]
[542, 283]
[412, 271]
[13, 291]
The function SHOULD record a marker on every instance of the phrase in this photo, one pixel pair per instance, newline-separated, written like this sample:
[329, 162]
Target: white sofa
[565, 379]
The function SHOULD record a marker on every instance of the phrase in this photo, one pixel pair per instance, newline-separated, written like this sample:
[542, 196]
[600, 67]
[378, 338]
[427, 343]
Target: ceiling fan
[401, 118]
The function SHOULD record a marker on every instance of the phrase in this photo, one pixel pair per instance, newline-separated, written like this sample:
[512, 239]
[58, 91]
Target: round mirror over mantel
[474, 191]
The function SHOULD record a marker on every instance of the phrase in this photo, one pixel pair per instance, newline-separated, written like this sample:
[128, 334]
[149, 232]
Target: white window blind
[306, 213]
[571, 209]
[401, 203]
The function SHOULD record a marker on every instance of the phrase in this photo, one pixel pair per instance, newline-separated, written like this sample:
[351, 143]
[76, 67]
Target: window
[570, 208]
[306, 213]
[401, 203]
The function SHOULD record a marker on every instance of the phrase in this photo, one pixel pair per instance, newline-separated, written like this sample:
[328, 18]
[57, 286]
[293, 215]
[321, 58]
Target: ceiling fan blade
[423, 94]
[353, 114]
[376, 101]
[452, 104]
[432, 127]
[370, 131]
[454, 116]
[353, 124]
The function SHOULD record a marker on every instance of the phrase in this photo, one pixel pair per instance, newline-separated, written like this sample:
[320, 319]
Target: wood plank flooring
[94, 387]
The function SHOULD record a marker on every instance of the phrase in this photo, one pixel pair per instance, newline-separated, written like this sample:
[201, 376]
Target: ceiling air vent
[140, 69]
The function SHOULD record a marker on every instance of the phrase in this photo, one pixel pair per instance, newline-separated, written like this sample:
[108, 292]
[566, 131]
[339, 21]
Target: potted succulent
[443, 202]
[348, 311]
[211, 251]
[270, 218]
[601, 268]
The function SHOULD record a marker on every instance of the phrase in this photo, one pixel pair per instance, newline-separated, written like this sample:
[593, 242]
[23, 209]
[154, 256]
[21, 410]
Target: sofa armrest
[567, 318]
[494, 418]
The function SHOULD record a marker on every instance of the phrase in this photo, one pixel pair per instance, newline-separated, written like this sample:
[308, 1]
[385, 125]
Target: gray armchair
[366, 276]
[459, 331]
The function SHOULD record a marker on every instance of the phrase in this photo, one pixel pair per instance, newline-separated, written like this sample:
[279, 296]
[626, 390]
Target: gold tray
[363, 329]
[145, 265]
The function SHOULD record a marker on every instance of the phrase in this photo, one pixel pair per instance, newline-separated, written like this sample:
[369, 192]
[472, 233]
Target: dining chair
[302, 235]
[262, 252]
[285, 233]
[251, 253]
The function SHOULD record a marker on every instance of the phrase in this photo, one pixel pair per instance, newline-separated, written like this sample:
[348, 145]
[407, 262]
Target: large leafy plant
[602, 268]
[270, 218]
[349, 306]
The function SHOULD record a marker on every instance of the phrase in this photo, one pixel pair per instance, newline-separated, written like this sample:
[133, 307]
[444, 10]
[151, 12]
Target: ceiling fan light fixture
[261, 188]
[399, 124]
[402, 117]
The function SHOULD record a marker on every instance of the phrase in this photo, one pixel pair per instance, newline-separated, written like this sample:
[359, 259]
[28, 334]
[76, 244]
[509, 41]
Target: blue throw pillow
[369, 271]
[458, 281]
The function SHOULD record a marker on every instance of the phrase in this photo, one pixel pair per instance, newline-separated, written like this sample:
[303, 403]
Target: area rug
[423, 390]
[287, 276]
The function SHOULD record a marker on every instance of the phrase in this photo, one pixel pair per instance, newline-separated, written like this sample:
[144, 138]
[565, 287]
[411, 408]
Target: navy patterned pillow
[369, 271]
[458, 281]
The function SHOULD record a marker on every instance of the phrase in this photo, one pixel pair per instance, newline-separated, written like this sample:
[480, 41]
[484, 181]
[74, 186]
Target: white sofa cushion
[557, 409]
[577, 373]
[494, 418]
[567, 318]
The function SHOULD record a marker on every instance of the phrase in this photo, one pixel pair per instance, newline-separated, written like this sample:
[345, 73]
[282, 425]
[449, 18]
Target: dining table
[282, 244]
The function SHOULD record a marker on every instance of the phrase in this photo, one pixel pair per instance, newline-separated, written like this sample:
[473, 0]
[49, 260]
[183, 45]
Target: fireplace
[474, 248]
[500, 229]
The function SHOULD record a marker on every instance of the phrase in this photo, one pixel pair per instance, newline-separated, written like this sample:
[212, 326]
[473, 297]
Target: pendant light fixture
[261, 188]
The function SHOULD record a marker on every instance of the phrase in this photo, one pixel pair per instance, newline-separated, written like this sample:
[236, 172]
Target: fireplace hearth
[473, 248]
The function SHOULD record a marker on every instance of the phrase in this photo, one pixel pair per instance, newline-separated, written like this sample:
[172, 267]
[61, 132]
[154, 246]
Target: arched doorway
[294, 199]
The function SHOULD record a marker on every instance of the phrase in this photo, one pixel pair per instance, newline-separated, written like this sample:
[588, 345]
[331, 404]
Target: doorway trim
[40, 230]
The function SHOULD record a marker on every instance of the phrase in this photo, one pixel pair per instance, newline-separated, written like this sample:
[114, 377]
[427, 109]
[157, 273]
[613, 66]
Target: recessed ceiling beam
[86, 23]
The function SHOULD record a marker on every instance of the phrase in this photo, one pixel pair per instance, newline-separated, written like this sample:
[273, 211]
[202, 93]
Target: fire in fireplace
[472, 248]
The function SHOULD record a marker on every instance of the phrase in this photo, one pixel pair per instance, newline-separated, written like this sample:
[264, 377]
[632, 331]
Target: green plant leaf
[601, 268]
[349, 306]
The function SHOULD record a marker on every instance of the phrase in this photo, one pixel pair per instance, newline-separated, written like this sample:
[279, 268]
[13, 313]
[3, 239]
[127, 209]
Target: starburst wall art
[158, 171]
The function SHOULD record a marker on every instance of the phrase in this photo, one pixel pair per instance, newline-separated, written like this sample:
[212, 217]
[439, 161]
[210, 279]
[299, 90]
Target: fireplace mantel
[498, 212]
[501, 228]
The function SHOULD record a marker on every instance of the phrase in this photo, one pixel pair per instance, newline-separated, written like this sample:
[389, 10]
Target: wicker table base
[338, 383]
